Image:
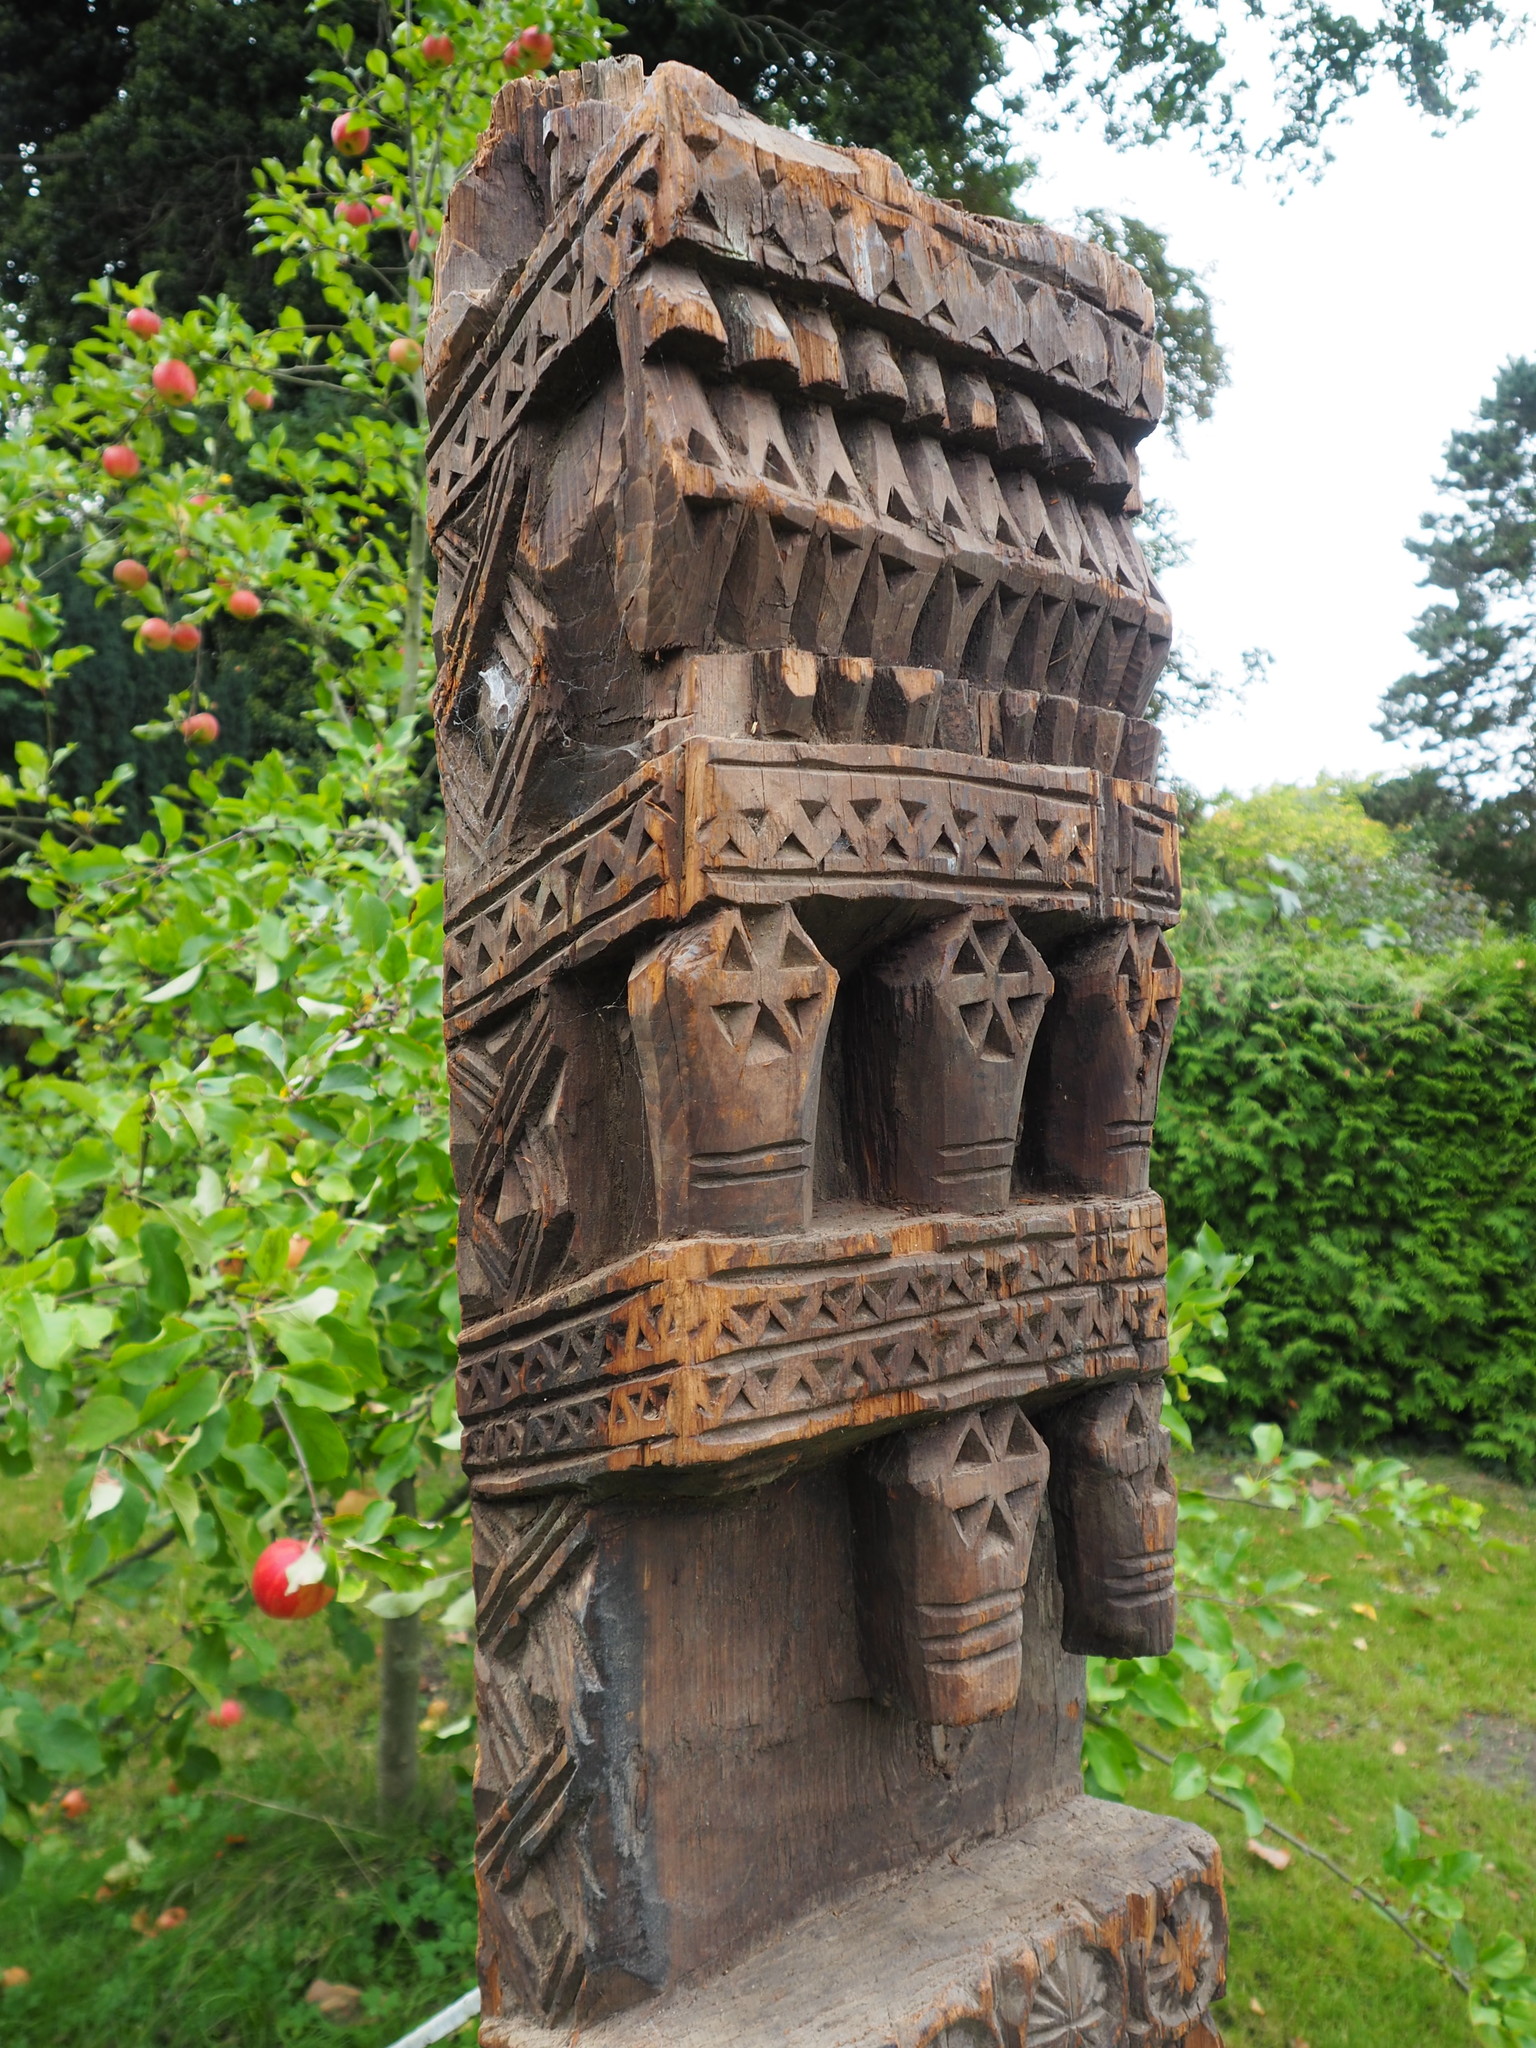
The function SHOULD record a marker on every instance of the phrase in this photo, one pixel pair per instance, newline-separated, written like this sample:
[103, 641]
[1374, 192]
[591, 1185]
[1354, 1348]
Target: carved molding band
[843, 226]
[711, 1351]
[770, 820]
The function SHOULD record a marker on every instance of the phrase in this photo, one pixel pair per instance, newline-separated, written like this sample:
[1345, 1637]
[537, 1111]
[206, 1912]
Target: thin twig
[298, 1452]
[111, 1572]
[1359, 1886]
[297, 1812]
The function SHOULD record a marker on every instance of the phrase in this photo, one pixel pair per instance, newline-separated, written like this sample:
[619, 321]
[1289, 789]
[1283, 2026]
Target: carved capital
[730, 1019]
[944, 1521]
[1115, 1512]
[937, 1051]
[1102, 1048]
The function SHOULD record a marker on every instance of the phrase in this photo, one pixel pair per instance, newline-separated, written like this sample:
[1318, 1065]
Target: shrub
[1365, 1124]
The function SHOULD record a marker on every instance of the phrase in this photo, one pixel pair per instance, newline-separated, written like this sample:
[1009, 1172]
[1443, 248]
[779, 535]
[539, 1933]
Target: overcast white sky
[1364, 318]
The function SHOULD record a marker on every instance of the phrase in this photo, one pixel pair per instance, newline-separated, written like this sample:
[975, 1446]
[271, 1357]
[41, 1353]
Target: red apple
[356, 213]
[244, 604]
[7, 550]
[227, 1714]
[74, 1805]
[404, 353]
[130, 574]
[120, 462]
[143, 322]
[350, 134]
[172, 1917]
[173, 379]
[156, 633]
[201, 728]
[259, 401]
[185, 637]
[269, 1582]
[437, 49]
[530, 51]
[413, 240]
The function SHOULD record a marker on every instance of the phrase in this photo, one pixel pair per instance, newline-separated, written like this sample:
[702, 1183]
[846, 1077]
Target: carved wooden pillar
[806, 998]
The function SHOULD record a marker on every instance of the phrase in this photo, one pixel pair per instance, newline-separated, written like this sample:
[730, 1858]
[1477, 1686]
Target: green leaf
[267, 1701]
[159, 1246]
[196, 1766]
[29, 1216]
[261, 1470]
[394, 1606]
[1268, 1442]
[1503, 1957]
[87, 1163]
[49, 1333]
[11, 1865]
[1187, 1777]
[103, 1421]
[182, 1405]
[147, 1364]
[318, 1385]
[263, 1039]
[63, 1743]
[325, 1448]
[371, 923]
[1252, 1731]
[183, 985]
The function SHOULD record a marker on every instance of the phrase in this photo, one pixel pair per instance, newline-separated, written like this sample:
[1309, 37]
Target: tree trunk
[399, 1696]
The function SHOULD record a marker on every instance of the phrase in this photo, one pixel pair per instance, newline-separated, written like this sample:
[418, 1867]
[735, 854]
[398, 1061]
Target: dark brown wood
[1116, 1514]
[944, 1523]
[806, 997]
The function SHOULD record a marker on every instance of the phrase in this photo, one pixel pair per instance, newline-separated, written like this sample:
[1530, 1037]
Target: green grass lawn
[275, 1899]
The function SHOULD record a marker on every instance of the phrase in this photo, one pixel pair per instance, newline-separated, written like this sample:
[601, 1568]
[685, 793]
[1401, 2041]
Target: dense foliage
[1365, 1124]
[127, 134]
[227, 1212]
[1311, 864]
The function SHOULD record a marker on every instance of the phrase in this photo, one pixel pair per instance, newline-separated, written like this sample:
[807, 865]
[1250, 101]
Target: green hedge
[1367, 1128]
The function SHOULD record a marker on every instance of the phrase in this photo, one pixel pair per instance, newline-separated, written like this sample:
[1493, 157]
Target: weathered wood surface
[1091, 1927]
[807, 997]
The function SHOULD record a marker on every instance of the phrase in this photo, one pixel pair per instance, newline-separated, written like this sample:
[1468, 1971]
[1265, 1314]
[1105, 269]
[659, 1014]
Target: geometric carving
[696, 1356]
[1184, 1965]
[709, 821]
[1079, 2001]
[944, 1520]
[939, 1043]
[1099, 1061]
[794, 641]
[527, 1864]
[1116, 1513]
[730, 1019]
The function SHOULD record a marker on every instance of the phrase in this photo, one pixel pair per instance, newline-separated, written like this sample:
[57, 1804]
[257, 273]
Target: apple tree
[226, 1291]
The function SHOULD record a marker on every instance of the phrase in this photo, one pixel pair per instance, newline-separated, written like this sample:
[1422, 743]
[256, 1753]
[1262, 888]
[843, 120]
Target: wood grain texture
[806, 997]
[1092, 1926]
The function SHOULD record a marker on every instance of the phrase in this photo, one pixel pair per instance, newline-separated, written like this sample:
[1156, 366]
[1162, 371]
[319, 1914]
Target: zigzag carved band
[714, 1350]
[767, 821]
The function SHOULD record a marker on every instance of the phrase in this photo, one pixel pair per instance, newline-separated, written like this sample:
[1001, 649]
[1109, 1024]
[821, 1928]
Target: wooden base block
[1095, 1926]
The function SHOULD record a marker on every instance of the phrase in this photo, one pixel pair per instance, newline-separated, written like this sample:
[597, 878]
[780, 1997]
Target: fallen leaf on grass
[1359, 1642]
[1254, 2006]
[337, 2001]
[1333, 1823]
[13, 1978]
[1399, 1748]
[1487, 1567]
[1277, 1859]
[1363, 1607]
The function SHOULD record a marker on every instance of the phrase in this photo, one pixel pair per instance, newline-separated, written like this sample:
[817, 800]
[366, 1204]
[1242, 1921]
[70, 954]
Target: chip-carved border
[690, 1354]
[766, 821]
